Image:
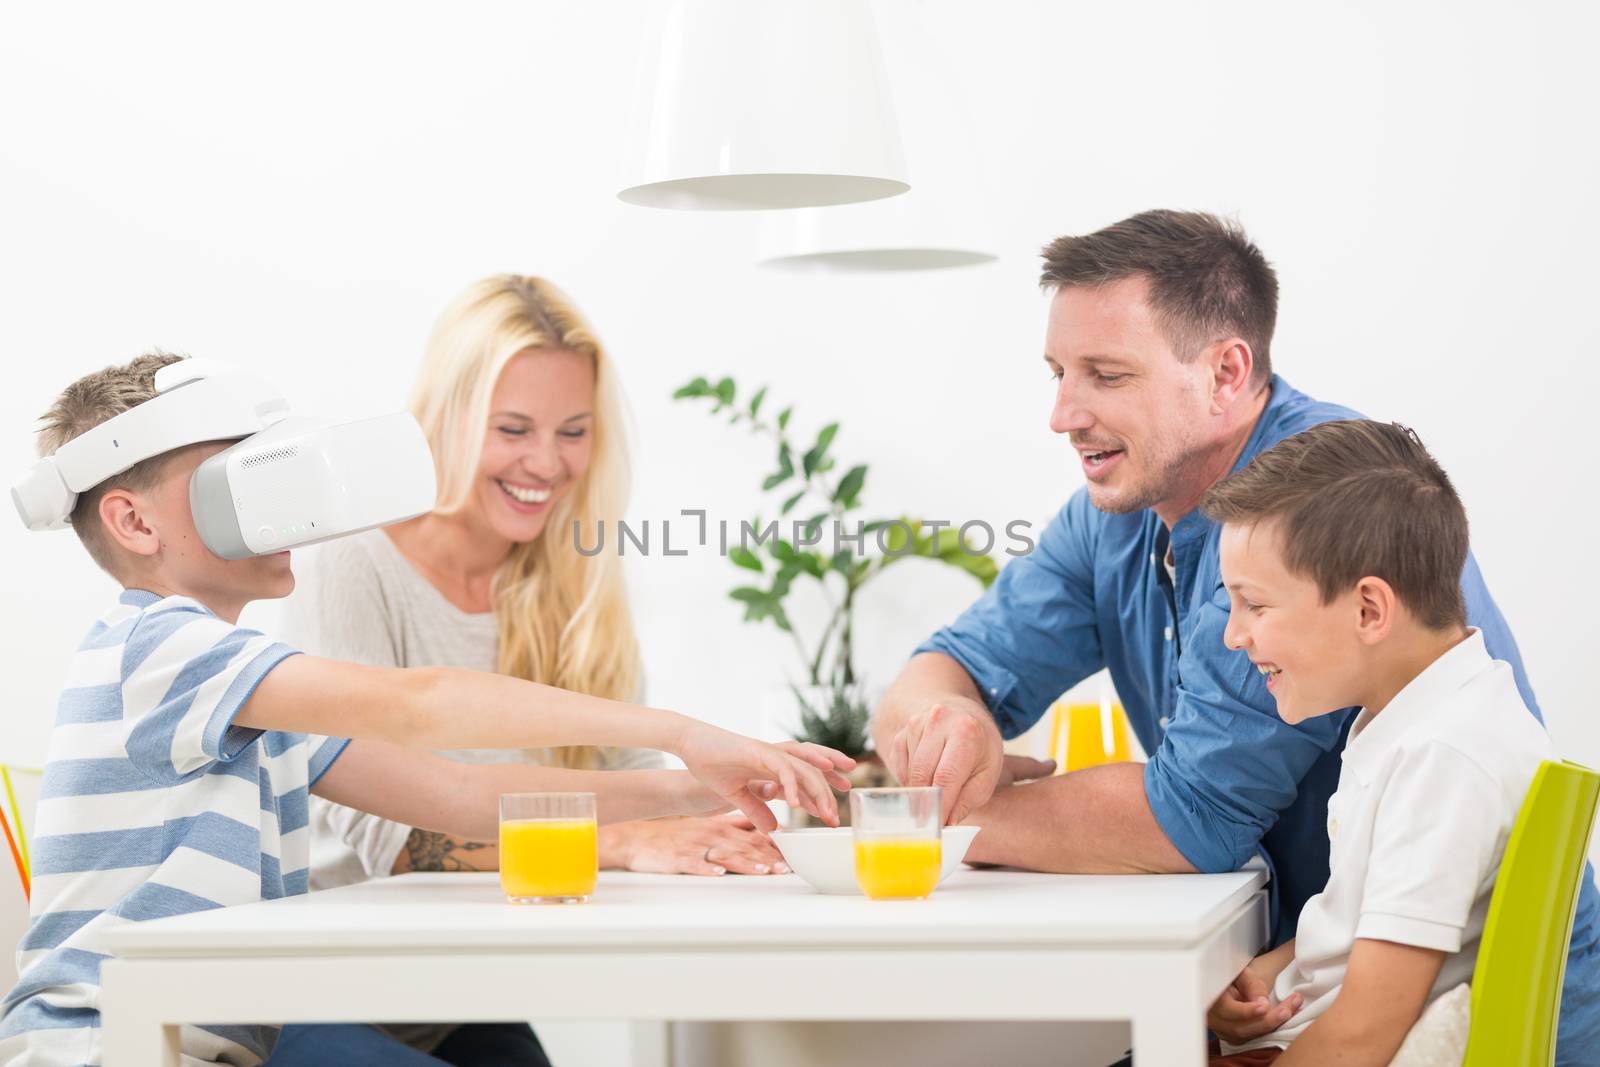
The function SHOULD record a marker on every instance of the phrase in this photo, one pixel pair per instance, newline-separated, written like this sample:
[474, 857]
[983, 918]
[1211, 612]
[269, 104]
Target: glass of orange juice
[548, 852]
[897, 841]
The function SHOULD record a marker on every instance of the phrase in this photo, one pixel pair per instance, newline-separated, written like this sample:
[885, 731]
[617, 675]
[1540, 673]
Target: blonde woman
[522, 409]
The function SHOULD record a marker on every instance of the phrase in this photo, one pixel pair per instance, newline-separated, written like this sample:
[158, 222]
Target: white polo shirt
[1427, 795]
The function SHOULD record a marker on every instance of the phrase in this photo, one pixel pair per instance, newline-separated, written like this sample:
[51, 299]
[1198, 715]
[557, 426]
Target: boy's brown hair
[1207, 279]
[82, 406]
[1357, 499]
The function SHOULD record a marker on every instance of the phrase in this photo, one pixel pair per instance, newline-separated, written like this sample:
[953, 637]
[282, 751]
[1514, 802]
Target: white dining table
[988, 945]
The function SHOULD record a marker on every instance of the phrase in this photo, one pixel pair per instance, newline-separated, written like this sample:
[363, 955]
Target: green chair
[1516, 986]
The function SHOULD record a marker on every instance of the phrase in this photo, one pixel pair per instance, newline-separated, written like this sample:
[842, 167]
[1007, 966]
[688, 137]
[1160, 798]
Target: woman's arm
[462, 800]
[1385, 989]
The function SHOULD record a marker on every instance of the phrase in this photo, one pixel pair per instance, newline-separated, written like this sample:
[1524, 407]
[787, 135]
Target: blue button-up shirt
[1227, 778]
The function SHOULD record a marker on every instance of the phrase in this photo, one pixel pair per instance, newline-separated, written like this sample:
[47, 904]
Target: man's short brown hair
[1208, 281]
[1358, 499]
[82, 406]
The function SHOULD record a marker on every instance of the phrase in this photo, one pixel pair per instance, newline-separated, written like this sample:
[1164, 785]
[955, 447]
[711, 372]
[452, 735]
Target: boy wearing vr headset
[185, 745]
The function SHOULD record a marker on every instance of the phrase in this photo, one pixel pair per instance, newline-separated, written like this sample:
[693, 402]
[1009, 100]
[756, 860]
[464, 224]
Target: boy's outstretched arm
[1385, 989]
[461, 799]
[437, 707]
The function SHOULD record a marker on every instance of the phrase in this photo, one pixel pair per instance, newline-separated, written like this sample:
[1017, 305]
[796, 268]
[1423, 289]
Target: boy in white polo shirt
[1341, 553]
[185, 745]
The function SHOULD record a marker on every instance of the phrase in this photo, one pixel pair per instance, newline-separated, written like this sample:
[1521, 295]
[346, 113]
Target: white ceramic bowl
[826, 857]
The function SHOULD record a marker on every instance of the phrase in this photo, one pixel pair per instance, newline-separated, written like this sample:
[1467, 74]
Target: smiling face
[1311, 652]
[1137, 416]
[538, 441]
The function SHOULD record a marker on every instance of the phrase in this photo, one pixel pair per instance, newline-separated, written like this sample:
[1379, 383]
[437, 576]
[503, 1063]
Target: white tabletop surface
[466, 912]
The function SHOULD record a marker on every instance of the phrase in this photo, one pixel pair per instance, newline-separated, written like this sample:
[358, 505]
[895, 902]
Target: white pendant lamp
[750, 104]
[941, 222]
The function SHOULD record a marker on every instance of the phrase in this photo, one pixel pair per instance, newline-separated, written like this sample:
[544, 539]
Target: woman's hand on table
[706, 846]
[744, 773]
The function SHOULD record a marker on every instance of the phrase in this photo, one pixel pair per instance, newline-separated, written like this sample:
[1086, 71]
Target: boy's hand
[746, 773]
[1245, 1009]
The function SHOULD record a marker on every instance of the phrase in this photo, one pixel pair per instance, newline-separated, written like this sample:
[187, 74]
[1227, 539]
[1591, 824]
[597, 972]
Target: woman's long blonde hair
[563, 617]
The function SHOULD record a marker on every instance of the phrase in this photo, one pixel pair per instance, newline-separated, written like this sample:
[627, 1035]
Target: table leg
[131, 1030]
[652, 1042]
[1169, 1029]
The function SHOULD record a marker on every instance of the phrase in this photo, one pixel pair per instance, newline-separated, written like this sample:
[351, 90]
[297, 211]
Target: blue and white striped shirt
[154, 804]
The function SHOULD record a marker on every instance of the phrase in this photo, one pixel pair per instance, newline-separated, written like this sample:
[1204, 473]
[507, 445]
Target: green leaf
[788, 505]
[782, 581]
[783, 418]
[698, 387]
[814, 565]
[843, 724]
[772, 481]
[896, 542]
[749, 594]
[725, 390]
[781, 617]
[850, 486]
[755, 401]
[842, 561]
[811, 462]
[982, 568]
[782, 551]
[745, 558]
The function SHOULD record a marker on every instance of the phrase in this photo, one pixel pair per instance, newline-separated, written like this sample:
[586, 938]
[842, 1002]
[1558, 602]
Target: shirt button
[1152, 559]
[993, 690]
[1168, 633]
[1162, 722]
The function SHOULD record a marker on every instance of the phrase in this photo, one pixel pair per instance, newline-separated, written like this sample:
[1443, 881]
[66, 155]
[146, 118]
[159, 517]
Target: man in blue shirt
[1158, 338]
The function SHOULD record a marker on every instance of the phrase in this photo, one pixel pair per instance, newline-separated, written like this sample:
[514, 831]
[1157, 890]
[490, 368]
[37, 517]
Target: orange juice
[548, 858]
[893, 868]
[1086, 735]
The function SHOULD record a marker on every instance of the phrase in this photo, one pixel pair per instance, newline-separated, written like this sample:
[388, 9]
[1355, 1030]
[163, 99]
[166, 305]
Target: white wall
[300, 188]
[301, 193]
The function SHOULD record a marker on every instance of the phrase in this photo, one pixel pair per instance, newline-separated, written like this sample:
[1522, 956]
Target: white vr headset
[292, 480]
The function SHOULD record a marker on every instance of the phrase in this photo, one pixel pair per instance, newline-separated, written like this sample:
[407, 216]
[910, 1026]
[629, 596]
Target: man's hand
[1245, 1010]
[1014, 769]
[954, 745]
[746, 773]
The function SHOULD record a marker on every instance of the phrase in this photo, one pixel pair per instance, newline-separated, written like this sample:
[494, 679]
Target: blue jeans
[360, 1045]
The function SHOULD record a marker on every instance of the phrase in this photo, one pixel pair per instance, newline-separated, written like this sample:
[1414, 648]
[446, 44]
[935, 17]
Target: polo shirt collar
[138, 598]
[1426, 695]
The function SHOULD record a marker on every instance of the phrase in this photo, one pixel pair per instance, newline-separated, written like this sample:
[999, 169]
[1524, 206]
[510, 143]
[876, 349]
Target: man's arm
[1093, 821]
[931, 728]
[1385, 989]
[994, 670]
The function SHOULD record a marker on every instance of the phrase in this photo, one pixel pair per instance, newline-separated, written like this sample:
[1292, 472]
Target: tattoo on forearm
[427, 850]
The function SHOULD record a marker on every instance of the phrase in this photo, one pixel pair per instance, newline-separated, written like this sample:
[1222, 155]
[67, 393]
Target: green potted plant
[831, 702]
